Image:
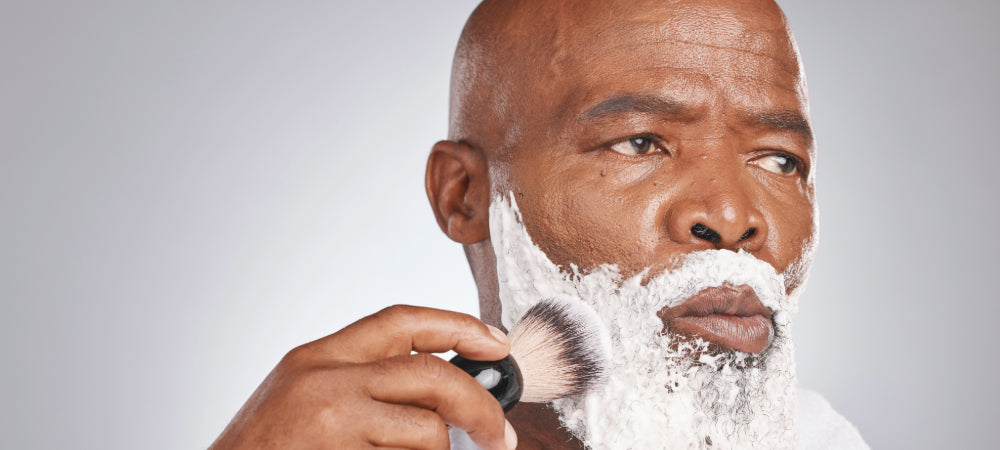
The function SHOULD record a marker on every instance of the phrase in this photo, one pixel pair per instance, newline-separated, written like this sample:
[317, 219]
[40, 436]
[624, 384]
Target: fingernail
[510, 436]
[498, 334]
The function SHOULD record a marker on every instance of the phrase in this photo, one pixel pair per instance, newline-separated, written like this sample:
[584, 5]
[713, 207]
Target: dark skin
[362, 387]
[648, 133]
[630, 132]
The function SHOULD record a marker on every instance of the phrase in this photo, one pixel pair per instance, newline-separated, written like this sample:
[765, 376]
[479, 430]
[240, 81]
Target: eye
[779, 163]
[636, 145]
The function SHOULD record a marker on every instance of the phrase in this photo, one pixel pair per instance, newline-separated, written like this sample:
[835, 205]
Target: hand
[362, 387]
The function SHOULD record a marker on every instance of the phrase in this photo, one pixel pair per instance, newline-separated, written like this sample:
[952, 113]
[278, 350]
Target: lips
[730, 316]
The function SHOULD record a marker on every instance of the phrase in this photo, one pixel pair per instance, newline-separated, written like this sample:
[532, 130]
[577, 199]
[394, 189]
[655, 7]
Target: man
[652, 158]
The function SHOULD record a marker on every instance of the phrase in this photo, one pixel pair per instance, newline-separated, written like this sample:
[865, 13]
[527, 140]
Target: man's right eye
[636, 145]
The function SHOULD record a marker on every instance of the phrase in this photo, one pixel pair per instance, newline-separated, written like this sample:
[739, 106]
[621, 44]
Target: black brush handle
[502, 378]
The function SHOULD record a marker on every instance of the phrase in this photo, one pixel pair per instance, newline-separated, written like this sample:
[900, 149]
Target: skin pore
[631, 133]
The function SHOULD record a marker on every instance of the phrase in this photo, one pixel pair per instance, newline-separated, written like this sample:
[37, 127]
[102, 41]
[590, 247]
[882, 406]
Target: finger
[429, 382]
[406, 426]
[400, 330]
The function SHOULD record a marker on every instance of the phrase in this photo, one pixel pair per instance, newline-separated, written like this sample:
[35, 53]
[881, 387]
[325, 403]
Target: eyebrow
[635, 104]
[781, 120]
[784, 120]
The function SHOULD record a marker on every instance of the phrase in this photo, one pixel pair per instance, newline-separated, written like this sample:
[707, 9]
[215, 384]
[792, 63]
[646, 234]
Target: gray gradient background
[188, 190]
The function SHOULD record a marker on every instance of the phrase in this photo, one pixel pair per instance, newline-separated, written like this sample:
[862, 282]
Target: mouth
[732, 317]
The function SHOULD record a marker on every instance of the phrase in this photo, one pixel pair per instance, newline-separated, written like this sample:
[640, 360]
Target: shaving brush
[557, 349]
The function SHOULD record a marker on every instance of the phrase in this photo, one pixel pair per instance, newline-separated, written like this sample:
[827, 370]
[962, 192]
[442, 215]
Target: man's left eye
[637, 145]
[779, 163]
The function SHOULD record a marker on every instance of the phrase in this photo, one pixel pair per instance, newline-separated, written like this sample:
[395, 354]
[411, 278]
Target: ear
[458, 187]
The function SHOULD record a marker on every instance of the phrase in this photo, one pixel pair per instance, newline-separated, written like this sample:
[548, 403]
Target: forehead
[736, 56]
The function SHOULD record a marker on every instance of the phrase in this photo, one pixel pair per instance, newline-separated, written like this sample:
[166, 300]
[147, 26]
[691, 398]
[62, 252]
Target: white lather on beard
[657, 395]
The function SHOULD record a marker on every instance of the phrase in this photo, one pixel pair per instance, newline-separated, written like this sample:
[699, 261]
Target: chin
[664, 390]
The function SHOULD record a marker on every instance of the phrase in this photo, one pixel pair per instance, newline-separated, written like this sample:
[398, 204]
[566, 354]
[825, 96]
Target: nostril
[748, 234]
[702, 231]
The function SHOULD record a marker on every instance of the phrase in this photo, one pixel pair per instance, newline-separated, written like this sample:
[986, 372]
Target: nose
[719, 212]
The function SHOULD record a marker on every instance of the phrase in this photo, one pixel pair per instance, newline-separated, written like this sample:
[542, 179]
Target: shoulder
[820, 427]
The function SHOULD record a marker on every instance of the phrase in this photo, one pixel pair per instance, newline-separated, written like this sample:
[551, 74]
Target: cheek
[792, 237]
[580, 215]
[571, 225]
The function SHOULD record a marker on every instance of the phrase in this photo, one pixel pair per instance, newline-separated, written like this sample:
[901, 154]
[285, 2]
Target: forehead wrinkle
[703, 32]
[694, 57]
[782, 61]
[687, 93]
[786, 64]
[792, 88]
[706, 80]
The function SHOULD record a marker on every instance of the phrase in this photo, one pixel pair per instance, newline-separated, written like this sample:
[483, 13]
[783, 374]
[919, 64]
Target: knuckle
[346, 423]
[298, 357]
[467, 320]
[306, 380]
[492, 411]
[421, 425]
[396, 312]
[488, 417]
[429, 366]
[434, 431]
[467, 324]
[333, 415]
[436, 377]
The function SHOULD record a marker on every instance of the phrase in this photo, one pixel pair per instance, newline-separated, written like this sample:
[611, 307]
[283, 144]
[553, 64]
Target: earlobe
[457, 186]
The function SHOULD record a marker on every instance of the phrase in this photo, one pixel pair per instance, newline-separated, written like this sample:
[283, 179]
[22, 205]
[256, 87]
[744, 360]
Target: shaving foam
[662, 392]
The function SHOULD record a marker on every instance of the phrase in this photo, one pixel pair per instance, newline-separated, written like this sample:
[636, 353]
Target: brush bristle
[561, 348]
